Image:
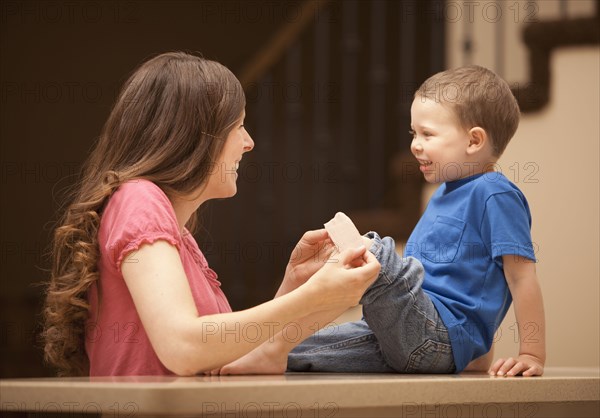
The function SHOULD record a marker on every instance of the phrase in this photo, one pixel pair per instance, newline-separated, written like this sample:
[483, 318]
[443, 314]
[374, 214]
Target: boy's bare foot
[258, 361]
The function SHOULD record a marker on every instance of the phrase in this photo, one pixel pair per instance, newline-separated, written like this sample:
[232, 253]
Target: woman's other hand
[308, 256]
[344, 278]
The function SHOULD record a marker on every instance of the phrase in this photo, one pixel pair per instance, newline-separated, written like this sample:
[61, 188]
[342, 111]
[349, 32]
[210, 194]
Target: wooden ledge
[327, 395]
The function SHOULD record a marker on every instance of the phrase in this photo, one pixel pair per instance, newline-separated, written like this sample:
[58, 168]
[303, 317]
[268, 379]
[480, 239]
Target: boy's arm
[529, 311]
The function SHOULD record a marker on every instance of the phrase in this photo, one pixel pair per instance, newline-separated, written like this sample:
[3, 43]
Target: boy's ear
[478, 138]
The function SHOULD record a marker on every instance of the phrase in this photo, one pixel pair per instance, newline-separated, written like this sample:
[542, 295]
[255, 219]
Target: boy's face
[439, 142]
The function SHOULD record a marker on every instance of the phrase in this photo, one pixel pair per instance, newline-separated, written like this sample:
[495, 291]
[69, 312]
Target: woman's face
[223, 176]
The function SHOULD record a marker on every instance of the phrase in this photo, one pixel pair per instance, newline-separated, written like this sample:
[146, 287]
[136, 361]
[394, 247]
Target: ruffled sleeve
[138, 213]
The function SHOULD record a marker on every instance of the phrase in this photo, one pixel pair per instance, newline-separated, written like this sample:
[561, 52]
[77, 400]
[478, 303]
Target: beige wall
[558, 148]
[562, 142]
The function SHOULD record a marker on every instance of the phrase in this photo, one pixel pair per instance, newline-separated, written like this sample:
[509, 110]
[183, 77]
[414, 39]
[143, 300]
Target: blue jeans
[400, 332]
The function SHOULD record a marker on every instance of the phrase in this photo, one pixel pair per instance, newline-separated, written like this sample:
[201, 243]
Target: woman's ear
[478, 139]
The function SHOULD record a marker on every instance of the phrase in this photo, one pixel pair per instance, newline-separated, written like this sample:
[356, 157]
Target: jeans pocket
[431, 357]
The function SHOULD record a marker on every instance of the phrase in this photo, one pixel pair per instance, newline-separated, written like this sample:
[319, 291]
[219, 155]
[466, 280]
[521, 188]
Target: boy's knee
[388, 255]
[393, 265]
[412, 267]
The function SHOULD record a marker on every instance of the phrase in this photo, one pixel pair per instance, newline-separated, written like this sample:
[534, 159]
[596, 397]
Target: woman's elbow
[182, 359]
[182, 370]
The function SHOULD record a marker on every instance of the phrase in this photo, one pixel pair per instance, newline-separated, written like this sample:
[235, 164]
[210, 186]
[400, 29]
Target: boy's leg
[412, 336]
[354, 342]
[347, 348]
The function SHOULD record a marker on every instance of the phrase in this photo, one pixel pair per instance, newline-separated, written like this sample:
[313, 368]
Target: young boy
[470, 255]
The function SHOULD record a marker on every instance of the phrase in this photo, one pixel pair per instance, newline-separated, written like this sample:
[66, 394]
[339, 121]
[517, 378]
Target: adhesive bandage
[343, 232]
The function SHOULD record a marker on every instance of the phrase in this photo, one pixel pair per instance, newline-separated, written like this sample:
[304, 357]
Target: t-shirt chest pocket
[442, 242]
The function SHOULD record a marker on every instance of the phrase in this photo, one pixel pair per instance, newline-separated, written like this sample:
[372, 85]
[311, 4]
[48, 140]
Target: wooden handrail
[541, 38]
[273, 50]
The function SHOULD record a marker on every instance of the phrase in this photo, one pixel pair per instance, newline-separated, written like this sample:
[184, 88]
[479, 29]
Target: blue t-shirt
[469, 224]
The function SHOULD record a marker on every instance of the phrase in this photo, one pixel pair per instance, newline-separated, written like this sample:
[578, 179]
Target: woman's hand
[344, 278]
[309, 255]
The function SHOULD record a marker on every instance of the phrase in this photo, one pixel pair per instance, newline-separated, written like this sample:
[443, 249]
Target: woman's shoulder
[140, 202]
[139, 195]
[140, 188]
[138, 212]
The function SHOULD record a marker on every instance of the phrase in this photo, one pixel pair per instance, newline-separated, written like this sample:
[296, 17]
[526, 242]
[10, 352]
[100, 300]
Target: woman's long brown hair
[167, 126]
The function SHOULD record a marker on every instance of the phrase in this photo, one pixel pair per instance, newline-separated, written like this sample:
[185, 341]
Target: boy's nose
[416, 146]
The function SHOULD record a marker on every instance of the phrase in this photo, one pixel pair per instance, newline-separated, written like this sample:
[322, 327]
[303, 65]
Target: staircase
[329, 110]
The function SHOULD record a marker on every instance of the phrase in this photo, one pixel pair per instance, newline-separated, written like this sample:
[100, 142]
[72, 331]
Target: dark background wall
[329, 119]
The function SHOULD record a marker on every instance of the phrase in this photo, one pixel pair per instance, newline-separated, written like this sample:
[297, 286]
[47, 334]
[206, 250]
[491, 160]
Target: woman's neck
[184, 209]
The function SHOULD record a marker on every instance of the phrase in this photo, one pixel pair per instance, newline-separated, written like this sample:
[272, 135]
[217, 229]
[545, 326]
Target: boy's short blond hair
[478, 97]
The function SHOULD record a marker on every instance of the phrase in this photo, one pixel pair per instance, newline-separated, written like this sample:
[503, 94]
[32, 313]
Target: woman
[130, 291]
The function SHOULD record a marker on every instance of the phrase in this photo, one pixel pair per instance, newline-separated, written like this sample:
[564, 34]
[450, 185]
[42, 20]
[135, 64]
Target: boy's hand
[524, 364]
[529, 312]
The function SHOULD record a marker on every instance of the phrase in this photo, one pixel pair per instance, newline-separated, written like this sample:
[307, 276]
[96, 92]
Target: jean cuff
[377, 245]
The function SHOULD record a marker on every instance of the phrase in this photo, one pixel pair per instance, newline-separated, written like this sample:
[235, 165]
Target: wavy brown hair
[165, 127]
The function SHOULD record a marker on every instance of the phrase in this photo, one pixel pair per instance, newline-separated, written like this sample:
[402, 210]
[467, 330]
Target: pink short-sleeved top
[116, 343]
